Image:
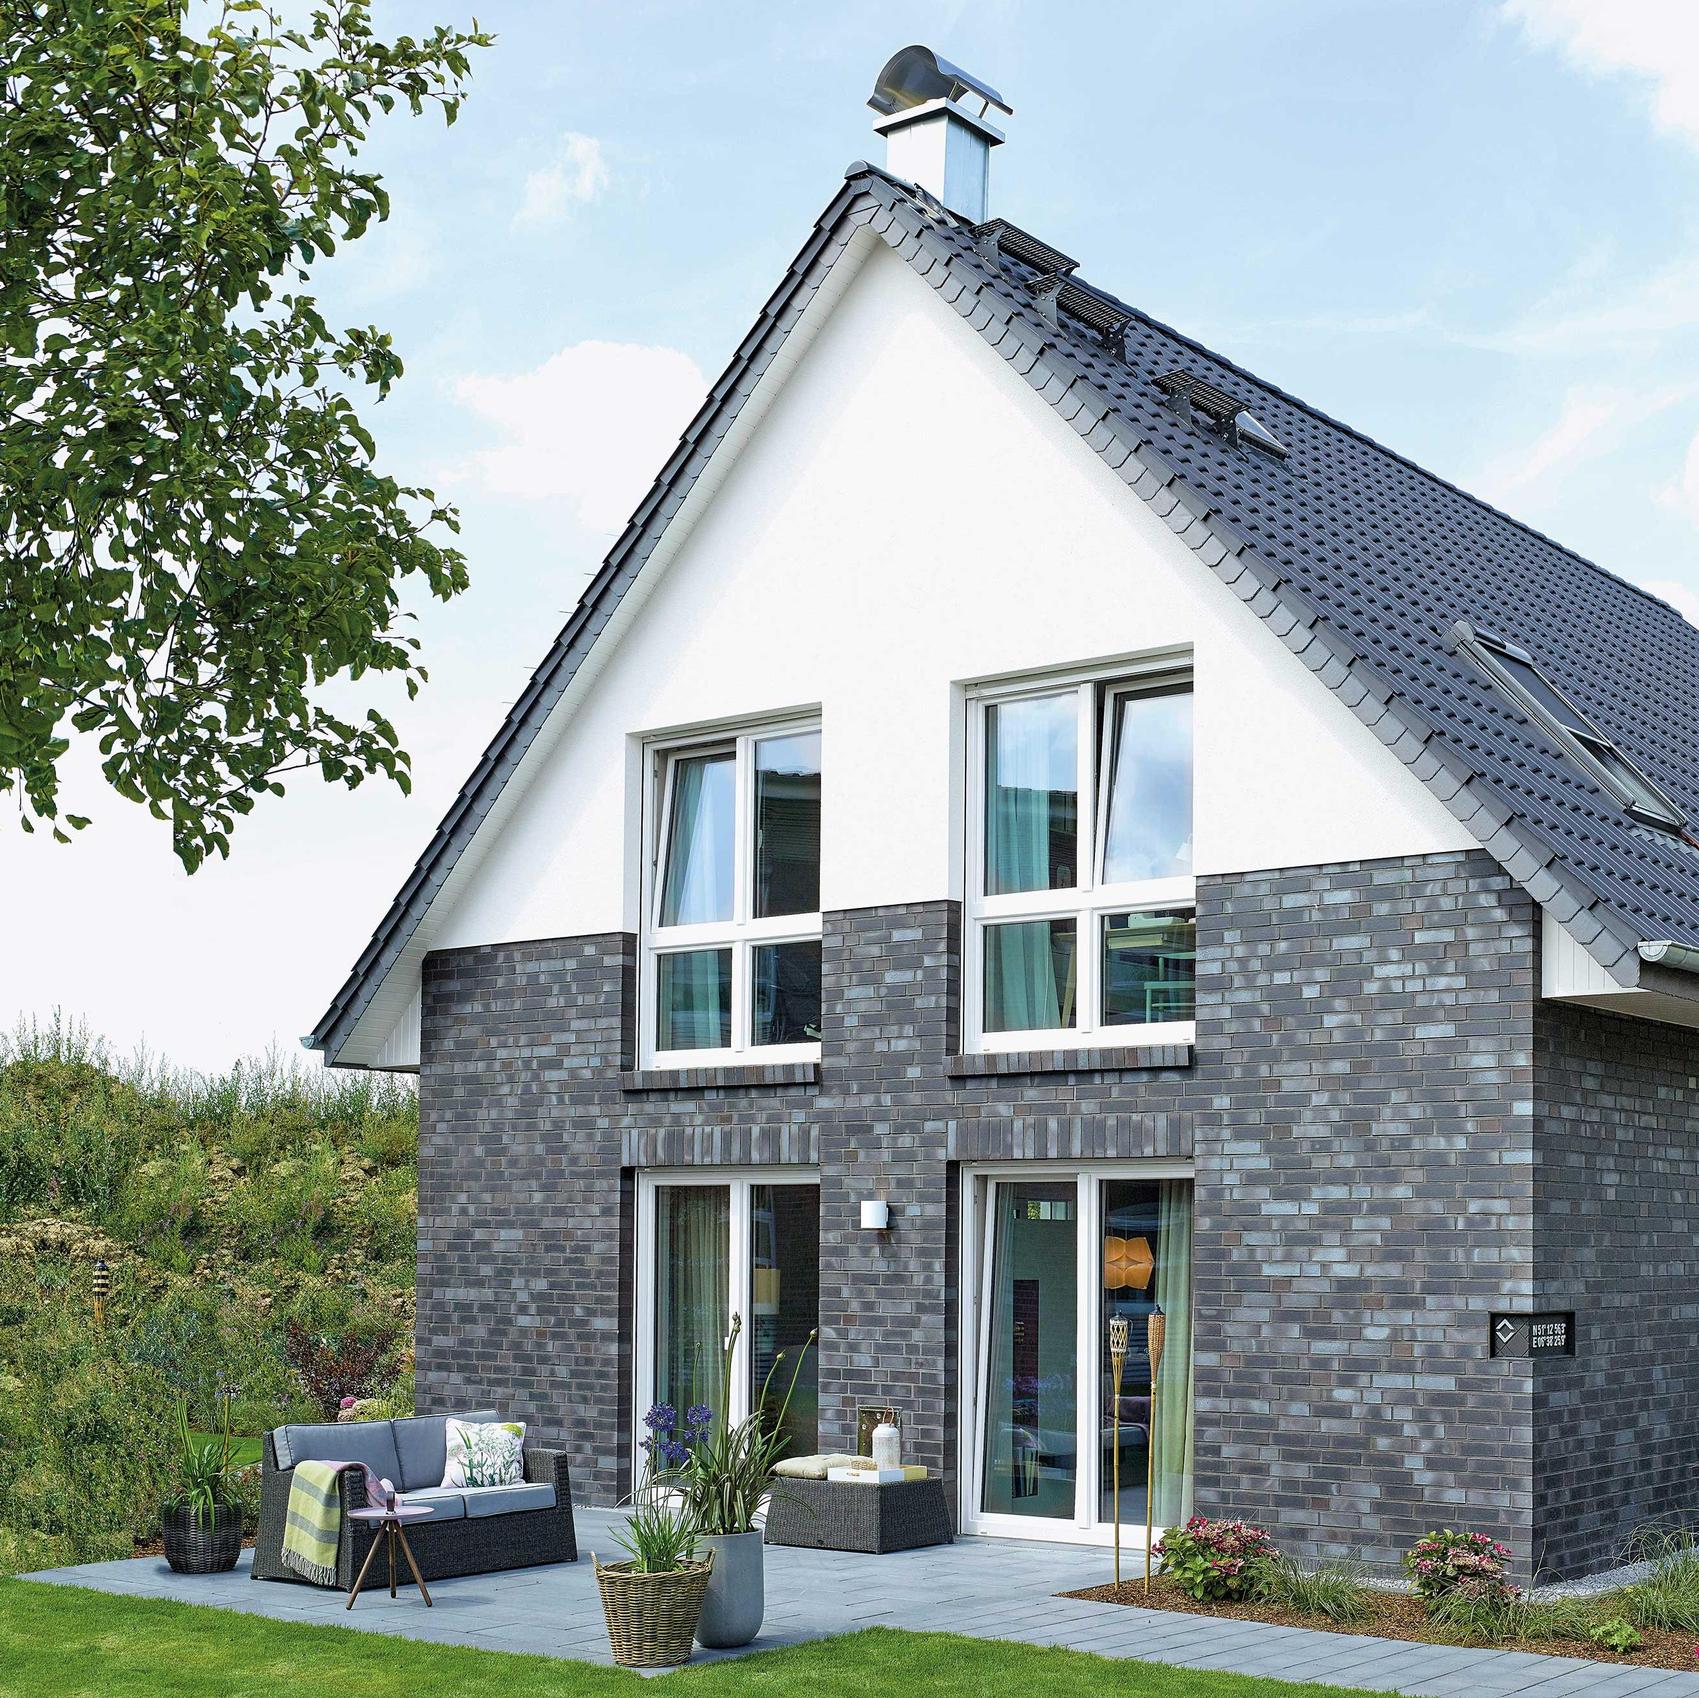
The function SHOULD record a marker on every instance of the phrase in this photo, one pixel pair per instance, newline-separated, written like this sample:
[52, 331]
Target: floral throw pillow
[485, 1453]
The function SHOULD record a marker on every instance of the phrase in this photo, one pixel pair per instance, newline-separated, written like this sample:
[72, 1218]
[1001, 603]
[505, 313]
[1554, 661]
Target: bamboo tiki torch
[102, 1290]
[1117, 1361]
[1155, 1328]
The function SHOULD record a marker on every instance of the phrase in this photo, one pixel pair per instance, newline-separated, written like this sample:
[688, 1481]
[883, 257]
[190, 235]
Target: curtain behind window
[1174, 1379]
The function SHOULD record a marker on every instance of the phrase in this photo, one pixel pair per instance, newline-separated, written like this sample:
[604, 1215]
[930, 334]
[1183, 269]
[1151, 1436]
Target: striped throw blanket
[314, 1521]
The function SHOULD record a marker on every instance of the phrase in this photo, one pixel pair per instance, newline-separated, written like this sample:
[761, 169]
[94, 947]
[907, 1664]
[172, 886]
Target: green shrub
[383, 1217]
[162, 1202]
[1212, 1560]
[285, 1208]
[1471, 1564]
[1334, 1590]
[86, 1437]
[1617, 1635]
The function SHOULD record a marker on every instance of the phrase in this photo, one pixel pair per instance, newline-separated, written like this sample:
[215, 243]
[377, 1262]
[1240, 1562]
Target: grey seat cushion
[444, 1505]
[505, 1500]
[421, 1441]
[370, 1442]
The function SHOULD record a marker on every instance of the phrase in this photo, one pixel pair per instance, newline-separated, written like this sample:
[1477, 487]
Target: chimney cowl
[933, 138]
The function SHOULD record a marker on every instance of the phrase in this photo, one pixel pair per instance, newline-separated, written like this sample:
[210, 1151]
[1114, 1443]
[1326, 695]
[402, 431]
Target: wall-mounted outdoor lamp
[875, 1217]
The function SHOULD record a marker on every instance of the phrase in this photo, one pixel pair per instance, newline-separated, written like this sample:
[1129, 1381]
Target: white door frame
[977, 1180]
[739, 1284]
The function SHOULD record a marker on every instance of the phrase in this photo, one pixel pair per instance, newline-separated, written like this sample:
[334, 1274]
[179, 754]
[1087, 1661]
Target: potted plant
[725, 1475]
[202, 1525]
[651, 1601]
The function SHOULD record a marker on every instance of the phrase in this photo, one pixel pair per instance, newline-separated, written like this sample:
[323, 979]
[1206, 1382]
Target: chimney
[932, 138]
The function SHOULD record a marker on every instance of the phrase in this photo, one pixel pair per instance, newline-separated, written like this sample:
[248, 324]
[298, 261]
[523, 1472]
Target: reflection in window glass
[787, 824]
[694, 999]
[696, 882]
[1148, 831]
[787, 992]
[1030, 983]
[1147, 1264]
[784, 1224]
[1031, 1456]
[1032, 794]
[1149, 968]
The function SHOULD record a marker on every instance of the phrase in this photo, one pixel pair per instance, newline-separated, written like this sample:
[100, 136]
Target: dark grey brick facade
[1360, 1108]
[1617, 1240]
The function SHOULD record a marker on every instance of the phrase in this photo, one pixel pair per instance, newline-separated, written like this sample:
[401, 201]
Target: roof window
[1520, 680]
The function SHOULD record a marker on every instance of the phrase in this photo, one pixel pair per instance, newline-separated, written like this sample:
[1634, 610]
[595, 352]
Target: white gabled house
[1019, 768]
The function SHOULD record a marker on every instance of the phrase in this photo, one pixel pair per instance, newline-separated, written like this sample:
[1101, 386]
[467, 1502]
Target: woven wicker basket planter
[195, 1547]
[651, 1617]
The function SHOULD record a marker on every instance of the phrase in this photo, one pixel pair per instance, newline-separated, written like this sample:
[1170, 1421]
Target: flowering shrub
[1464, 1565]
[1210, 1560]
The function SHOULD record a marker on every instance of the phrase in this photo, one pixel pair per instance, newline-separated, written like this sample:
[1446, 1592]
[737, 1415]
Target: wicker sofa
[475, 1531]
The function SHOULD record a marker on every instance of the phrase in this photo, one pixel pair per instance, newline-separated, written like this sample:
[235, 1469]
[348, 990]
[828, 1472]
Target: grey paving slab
[984, 1589]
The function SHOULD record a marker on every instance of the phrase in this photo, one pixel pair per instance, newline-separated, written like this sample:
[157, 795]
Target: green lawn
[63, 1642]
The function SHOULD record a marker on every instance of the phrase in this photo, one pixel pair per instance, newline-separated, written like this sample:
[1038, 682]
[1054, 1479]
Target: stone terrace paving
[984, 1588]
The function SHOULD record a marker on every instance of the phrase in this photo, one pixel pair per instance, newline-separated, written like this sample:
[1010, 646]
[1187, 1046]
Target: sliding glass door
[744, 1243]
[1052, 1255]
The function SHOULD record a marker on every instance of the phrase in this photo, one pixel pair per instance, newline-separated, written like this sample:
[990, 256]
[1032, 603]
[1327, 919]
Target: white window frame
[740, 1284]
[743, 931]
[974, 1342]
[1089, 901]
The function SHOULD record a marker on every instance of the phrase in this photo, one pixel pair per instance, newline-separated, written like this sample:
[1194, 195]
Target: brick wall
[1616, 1240]
[1359, 1108]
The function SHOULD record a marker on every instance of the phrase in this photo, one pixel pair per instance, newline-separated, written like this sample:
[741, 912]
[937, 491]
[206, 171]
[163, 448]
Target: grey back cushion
[421, 1441]
[370, 1442]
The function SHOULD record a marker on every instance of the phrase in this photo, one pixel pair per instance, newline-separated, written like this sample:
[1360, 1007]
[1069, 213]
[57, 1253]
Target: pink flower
[348, 1403]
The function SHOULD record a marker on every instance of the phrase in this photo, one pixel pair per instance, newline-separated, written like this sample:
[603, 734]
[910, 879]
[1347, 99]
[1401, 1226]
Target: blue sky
[1470, 228]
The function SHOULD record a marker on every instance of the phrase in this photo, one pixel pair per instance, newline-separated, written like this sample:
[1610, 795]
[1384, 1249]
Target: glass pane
[696, 879]
[787, 824]
[1148, 825]
[785, 1309]
[692, 1314]
[1031, 1411]
[1147, 1264]
[787, 993]
[1533, 681]
[1149, 968]
[1032, 794]
[1029, 976]
[693, 999]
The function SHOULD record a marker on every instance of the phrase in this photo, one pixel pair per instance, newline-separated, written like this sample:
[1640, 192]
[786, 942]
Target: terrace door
[1052, 1257]
[711, 1247]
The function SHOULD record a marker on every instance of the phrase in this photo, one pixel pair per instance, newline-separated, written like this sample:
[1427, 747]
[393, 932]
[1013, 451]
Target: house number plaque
[1549, 1334]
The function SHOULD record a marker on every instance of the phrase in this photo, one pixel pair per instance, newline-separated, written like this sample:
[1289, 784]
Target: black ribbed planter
[197, 1547]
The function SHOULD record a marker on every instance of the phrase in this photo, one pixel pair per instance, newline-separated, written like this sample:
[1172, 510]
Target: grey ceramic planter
[737, 1598]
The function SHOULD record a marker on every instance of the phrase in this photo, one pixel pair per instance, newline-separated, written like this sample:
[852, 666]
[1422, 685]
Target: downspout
[1682, 957]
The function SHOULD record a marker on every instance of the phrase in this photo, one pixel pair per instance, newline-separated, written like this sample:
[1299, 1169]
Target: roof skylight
[1522, 682]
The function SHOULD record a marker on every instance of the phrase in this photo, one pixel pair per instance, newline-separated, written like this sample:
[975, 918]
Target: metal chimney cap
[914, 75]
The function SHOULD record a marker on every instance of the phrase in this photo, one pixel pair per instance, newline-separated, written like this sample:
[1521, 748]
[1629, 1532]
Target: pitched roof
[1357, 558]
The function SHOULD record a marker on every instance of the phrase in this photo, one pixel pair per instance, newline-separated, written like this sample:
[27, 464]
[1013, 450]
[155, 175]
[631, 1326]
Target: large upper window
[1081, 896]
[733, 935]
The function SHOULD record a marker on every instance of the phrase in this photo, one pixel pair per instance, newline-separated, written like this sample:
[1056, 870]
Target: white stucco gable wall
[910, 515]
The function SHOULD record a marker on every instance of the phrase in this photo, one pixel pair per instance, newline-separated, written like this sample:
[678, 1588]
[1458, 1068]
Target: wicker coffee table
[840, 1515]
[389, 1529]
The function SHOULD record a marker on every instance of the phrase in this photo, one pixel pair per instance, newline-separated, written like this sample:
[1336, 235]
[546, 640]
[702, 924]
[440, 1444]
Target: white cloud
[591, 425]
[575, 176]
[1656, 40]
[1593, 421]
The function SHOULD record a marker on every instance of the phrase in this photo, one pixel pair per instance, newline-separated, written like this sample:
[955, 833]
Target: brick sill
[1002, 1063]
[710, 1078]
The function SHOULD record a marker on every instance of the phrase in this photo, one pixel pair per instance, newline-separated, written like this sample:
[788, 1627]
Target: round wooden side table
[389, 1530]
